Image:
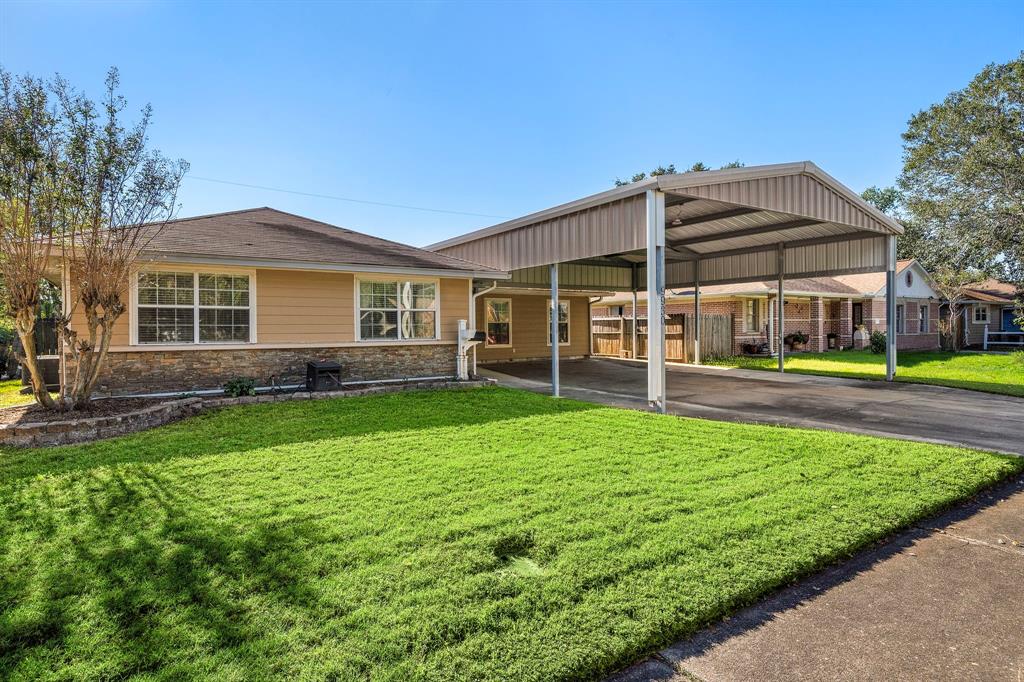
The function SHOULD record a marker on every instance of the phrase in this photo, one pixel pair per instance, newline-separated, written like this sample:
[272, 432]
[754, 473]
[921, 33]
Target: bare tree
[952, 285]
[110, 196]
[30, 206]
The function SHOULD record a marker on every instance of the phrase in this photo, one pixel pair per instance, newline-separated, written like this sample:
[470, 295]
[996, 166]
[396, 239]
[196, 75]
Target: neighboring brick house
[816, 307]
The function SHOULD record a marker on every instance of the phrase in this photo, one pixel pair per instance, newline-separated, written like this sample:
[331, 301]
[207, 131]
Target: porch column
[656, 300]
[890, 309]
[554, 330]
[845, 322]
[781, 316]
[696, 313]
[817, 340]
[771, 324]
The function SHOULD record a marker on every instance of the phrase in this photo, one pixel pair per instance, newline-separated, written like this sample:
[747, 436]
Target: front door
[1008, 324]
[858, 314]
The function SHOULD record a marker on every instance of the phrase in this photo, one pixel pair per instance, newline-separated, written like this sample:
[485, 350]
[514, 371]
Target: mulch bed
[109, 407]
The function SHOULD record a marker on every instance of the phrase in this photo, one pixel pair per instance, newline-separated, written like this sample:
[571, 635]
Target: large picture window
[392, 310]
[190, 307]
[563, 323]
[499, 321]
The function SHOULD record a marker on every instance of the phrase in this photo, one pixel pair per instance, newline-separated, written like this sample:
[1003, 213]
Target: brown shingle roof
[992, 290]
[269, 234]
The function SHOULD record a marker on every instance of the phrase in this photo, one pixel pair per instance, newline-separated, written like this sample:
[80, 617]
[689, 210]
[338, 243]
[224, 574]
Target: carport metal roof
[728, 223]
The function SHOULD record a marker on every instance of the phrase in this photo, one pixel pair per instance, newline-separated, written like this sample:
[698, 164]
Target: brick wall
[161, 371]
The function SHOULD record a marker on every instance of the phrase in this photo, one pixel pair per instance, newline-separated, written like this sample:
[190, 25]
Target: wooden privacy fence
[613, 336]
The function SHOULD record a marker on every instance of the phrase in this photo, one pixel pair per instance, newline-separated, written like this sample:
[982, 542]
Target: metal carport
[713, 227]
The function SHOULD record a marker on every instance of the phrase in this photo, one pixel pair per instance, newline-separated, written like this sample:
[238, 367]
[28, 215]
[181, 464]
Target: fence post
[984, 340]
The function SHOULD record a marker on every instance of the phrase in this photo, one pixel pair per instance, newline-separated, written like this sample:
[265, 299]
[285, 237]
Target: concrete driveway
[910, 411]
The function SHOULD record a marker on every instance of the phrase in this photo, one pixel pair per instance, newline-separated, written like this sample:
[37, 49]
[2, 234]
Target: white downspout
[472, 312]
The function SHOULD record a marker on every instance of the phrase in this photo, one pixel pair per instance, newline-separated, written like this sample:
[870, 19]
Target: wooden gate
[613, 336]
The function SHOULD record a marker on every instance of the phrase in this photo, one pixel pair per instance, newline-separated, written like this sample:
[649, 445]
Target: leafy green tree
[913, 243]
[963, 175]
[670, 169]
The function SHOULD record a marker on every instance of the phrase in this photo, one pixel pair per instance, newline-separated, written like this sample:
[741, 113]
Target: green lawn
[478, 534]
[979, 371]
[10, 394]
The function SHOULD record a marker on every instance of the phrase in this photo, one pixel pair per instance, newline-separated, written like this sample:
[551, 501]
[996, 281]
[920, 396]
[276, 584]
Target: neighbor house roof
[818, 286]
[871, 282]
[992, 291]
[268, 237]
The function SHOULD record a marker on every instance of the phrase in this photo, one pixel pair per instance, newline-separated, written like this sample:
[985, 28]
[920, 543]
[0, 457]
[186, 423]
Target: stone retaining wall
[158, 371]
[34, 434]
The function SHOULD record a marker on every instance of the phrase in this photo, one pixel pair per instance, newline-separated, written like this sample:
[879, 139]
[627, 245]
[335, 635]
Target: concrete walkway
[911, 411]
[943, 601]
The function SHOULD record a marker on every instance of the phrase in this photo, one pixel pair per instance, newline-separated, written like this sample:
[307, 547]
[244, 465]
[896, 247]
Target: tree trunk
[90, 362]
[25, 322]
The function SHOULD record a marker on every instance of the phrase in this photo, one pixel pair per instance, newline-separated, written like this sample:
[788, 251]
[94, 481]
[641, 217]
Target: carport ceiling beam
[746, 232]
[710, 217]
[846, 237]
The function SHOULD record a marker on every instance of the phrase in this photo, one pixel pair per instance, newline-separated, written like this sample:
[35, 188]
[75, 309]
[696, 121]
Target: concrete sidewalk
[942, 601]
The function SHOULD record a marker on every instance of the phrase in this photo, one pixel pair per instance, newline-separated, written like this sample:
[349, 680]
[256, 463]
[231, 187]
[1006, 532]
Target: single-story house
[816, 306]
[990, 306]
[259, 293]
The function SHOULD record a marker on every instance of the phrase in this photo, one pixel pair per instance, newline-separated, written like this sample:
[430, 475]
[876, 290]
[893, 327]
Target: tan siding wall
[529, 329]
[310, 307]
[454, 307]
[304, 307]
[120, 337]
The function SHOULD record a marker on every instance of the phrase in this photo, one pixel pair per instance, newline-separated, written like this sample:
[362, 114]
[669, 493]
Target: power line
[349, 199]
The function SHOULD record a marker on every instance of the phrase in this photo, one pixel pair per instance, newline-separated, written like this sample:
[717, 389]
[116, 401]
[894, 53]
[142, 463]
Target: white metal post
[781, 316]
[890, 309]
[633, 353]
[554, 330]
[656, 300]
[696, 313]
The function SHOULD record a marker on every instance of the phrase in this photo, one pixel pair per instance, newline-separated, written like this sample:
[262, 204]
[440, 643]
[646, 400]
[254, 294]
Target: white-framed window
[752, 315]
[181, 307]
[392, 310]
[923, 328]
[563, 323]
[901, 318]
[981, 314]
[498, 318]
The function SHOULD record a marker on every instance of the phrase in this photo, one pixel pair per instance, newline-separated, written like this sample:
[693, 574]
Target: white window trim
[924, 318]
[399, 280]
[195, 271]
[499, 345]
[568, 321]
[978, 307]
[901, 320]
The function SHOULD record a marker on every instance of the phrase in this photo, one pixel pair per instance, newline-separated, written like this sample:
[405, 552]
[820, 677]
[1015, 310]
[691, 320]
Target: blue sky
[503, 109]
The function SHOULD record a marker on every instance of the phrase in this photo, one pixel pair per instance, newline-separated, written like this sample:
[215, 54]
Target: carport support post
[781, 301]
[656, 300]
[890, 309]
[696, 312]
[554, 329]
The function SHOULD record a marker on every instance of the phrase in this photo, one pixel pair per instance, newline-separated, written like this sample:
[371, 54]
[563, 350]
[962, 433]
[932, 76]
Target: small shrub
[1018, 357]
[240, 386]
[877, 342]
